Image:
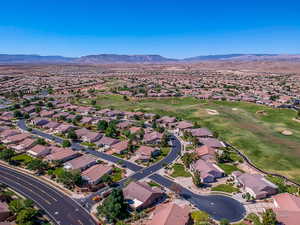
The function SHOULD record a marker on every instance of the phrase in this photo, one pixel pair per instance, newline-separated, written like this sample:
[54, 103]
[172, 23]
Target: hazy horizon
[173, 29]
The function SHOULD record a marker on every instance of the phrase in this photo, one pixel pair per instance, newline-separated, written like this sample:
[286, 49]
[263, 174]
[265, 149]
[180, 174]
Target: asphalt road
[59, 207]
[218, 206]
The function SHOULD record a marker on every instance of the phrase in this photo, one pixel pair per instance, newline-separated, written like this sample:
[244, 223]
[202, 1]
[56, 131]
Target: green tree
[16, 205]
[72, 135]
[269, 217]
[50, 105]
[78, 118]
[111, 131]
[37, 109]
[26, 216]
[195, 141]
[66, 143]
[224, 157]
[6, 154]
[18, 114]
[224, 222]
[197, 179]
[69, 178]
[188, 158]
[102, 125]
[106, 179]
[37, 165]
[16, 106]
[154, 125]
[40, 141]
[93, 102]
[114, 207]
[26, 103]
[164, 140]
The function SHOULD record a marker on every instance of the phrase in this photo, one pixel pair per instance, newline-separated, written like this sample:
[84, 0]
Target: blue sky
[174, 28]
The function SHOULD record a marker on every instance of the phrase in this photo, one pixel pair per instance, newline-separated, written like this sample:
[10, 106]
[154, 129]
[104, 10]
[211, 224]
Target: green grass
[179, 171]
[200, 217]
[117, 174]
[225, 188]
[153, 184]
[88, 144]
[256, 134]
[164, 151]
[24, 159]
[58, 171]
[228, 168]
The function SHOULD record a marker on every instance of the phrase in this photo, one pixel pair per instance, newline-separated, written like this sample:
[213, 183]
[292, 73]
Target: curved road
[59, 207]
[218, 206]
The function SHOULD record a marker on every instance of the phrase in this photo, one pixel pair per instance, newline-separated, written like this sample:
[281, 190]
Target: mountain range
[115, 58]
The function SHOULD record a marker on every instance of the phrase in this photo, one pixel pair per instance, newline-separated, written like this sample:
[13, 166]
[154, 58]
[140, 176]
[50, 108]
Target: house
[211, 142]
[149, 116]
[255, 184]
[39, 151]
[29, 109]
[94, 174]
[24, 145]
[287, 208]
[81, 163]
[206, 153]
[209, 172]
[45, 113]
[170, 214]
[87, 120]
[51, 126]
[134, 130]
[7, 223]
[166, 120]
[8, 132]
[106, 142]
[120, 147]
[87, 135]
[64, 128]
[145, 153]
[182, 126]
[63, 155]
[60, 115]
[4, 211]
[141, 195]
[200, 132]
[39, 121]
[124, 125]
[153, 138]
[15, 138]
[84, 109]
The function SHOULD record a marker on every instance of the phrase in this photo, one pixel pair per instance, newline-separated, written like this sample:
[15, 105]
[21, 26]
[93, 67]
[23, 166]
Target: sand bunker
[287, 132]
[297, 120]
[212, 112]
[261, 112]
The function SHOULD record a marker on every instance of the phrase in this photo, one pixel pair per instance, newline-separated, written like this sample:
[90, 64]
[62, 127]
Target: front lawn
[164, 151]
[117, 174]
[153, 184]
[228, 168]
[225, 188]
[23, 159]
[179, 171]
